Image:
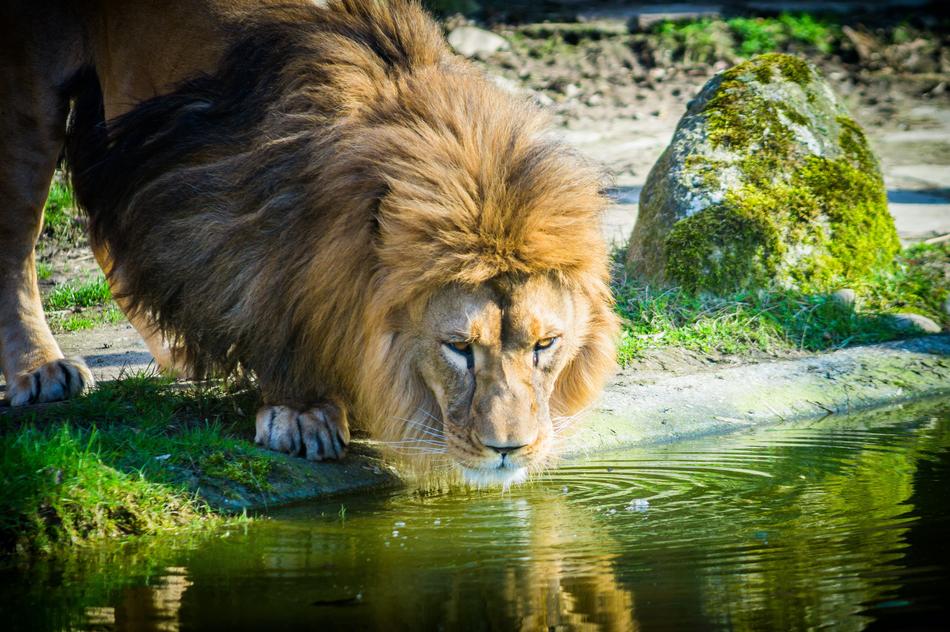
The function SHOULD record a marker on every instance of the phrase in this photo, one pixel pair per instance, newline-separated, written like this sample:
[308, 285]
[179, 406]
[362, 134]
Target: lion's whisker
[427, 430]
[417, 450]
[414, 442]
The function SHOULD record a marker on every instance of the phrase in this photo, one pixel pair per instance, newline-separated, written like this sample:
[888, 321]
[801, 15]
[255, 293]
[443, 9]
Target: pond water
[841, 523]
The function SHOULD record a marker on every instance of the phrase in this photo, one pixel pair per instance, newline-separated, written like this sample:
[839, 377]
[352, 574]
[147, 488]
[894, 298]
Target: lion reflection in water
[538, 580]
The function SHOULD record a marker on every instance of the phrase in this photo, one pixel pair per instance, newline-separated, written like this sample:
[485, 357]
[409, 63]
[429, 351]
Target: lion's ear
[584, 377]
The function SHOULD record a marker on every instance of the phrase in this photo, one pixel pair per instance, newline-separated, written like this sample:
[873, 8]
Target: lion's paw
[319, 434]
[51, 382]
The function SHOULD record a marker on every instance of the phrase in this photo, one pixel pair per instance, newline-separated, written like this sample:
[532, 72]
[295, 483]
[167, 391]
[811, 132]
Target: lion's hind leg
[318, 433]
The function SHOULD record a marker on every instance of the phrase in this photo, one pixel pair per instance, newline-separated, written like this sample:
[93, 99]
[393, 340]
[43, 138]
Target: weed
[706, 40]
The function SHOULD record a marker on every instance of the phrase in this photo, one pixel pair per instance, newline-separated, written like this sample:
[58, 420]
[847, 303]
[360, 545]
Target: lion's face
[491, 357]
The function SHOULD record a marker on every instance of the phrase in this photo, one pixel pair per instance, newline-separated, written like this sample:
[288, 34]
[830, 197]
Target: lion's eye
[541, 345]
[464, 348]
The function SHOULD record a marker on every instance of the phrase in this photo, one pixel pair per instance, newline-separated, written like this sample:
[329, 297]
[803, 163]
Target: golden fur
[335, 183]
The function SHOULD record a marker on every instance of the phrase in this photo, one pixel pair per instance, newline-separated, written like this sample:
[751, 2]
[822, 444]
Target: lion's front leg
[32, 128]
[318, 433]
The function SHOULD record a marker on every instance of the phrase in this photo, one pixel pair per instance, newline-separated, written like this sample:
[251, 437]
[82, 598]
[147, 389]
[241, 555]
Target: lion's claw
[319, 434]
[51, 382]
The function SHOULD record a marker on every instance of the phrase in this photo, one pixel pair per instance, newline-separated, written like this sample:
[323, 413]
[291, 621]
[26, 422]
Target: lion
[324, 197]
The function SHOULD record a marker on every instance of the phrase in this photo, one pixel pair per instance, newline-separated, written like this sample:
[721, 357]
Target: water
[842, 523]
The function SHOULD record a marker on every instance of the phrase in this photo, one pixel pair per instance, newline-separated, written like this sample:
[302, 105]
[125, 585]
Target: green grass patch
[120, 461]
[75, 306]
[62, 223]
[44, 271]
[84, 319]
[707, 40]
[782, 321]
[71, 295]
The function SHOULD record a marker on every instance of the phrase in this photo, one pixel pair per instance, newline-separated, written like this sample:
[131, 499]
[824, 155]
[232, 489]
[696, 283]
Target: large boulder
[767, 181]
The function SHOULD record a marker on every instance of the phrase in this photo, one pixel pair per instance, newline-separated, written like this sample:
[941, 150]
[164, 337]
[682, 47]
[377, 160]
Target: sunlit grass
[784, 320]
[116, 461]
[706, 39]
[44, 271]
[84, 319]
[61, 221]
[71, 295]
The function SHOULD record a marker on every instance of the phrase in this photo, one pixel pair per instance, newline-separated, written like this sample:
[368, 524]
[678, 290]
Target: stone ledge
[729, 399]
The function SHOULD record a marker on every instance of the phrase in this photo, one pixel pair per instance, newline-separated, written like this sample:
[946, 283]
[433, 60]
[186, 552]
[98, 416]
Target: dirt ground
[624, 117]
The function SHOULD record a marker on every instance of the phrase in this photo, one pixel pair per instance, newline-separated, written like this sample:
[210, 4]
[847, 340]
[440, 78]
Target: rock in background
[767, 181]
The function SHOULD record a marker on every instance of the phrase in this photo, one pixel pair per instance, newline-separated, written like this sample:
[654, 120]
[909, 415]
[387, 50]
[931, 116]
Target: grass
[706, 40]
[117, 462]
[72, 295]
[782, 321]
[44, 271]
[86, 319]
[75, 306]
[61, 221]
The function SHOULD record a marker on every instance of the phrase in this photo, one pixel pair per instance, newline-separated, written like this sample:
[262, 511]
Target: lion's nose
[505, 449]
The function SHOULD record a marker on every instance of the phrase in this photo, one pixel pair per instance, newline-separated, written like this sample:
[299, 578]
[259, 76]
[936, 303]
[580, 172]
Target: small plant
[44, 271]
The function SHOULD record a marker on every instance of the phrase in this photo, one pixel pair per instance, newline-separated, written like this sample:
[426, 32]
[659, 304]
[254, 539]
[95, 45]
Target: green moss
[739, 115]
[704, 170]
[854, 145]
[855, 202]
[246, 469]
[764, 68]
[722, 246]
[736, 118]
[835, 213]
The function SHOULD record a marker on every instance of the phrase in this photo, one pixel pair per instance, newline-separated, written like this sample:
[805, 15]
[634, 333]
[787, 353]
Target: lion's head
[490, 320]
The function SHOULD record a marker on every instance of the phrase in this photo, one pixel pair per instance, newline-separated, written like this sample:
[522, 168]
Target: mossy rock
[767, 181]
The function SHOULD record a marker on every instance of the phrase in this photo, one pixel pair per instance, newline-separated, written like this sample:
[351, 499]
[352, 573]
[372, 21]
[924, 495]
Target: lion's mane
[338, 167]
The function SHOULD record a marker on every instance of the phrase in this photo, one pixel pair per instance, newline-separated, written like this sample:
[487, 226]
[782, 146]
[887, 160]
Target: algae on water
[767, 181]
